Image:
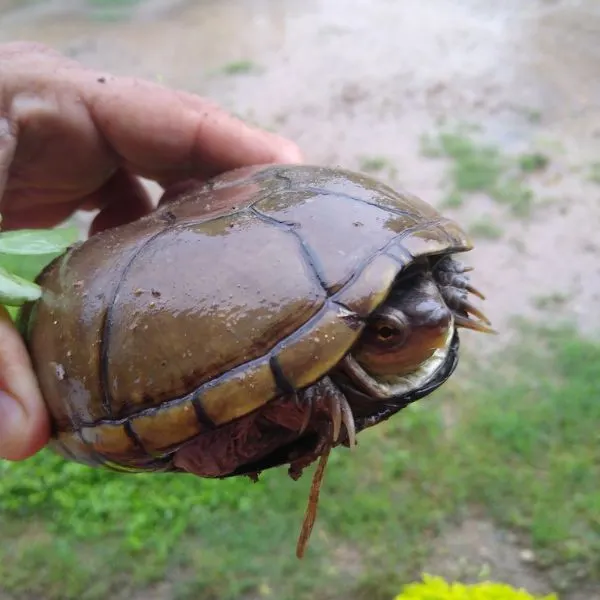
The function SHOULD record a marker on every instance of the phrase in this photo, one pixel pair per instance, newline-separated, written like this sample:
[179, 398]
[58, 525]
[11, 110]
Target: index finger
[168, 135]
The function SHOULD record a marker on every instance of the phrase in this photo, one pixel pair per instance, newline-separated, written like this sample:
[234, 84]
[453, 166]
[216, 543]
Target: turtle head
[409, 345]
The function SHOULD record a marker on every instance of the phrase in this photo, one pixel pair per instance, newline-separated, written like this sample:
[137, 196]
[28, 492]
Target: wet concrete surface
[368, 78]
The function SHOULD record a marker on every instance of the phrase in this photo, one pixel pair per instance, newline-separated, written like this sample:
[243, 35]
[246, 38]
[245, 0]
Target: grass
[112, 10]
[594, 175]
[551, 301]
[476, 167]
[533, 115]
[485, 228]
[378, 165]
[524, 450]
[542, 432]
[532, 162]
[453, 200]
[239, 67]
[113, 3]
[374, 164]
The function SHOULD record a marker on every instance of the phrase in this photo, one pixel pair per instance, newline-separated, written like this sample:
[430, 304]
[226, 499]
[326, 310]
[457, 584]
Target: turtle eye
[388, 334]
[387, 330]
[394, 343]
[385, 333]
[383, 343]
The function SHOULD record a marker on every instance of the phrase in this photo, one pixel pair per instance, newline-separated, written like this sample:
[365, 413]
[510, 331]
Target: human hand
[74, 138]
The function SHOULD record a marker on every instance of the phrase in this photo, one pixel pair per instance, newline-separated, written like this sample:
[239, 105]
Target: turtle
[255, 320]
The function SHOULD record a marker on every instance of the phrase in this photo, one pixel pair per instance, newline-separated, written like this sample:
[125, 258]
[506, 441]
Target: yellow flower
[435, 588]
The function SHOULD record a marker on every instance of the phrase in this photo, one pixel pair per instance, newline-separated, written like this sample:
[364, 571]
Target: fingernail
[290, 152]
[12, 423]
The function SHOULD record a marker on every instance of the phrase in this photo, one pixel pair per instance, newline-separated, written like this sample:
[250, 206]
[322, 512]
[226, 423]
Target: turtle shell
[219, 302]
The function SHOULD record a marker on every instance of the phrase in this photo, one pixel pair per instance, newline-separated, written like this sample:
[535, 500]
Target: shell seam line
[134, 437]
[307, 253]
[201, 416]
[106, 326]
[285, 386]
[395, 211]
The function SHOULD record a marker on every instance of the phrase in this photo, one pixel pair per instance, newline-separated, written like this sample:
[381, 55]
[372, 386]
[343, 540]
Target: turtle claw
[307, 416]
[348, 420]
[336, 419]
[341, 413]
[472, 310]
[474, 325]
[475, 291]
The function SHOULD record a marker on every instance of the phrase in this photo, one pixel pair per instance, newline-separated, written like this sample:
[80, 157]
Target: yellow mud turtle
[257, 320]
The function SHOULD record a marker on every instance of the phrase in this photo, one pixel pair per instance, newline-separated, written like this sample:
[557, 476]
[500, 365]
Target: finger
[8, 147]
[170, 135]
[122, 199]
[42, 217]
[24, 423]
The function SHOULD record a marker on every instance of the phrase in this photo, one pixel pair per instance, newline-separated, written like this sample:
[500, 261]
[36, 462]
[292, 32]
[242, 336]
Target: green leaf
[26, 267]
[32, 242]
[26, 252]
[13, 311]
[15, 291]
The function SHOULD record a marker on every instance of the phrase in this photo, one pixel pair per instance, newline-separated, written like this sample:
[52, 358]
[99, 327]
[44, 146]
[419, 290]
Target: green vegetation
[239, 67]
[533, 115]
[374, 164]
[112, 10]
[113, 3]
[485, 228]
[476, 167]
[453, 200]
[533, 162]
[379, 166]
[551, 301]
[524, 450]
[543, 476]
[595, 172]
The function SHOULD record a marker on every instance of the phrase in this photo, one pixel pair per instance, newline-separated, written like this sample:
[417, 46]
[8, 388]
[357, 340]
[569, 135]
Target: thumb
[24, 423]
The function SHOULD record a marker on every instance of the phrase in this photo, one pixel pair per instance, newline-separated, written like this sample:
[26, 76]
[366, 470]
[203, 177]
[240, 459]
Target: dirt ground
[360, 78]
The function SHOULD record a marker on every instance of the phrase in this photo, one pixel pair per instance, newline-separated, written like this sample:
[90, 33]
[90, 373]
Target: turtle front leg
[327, 409]
[455, 287]
[326, 393]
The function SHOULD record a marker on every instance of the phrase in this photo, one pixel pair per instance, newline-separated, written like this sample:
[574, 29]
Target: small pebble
[527, 556]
